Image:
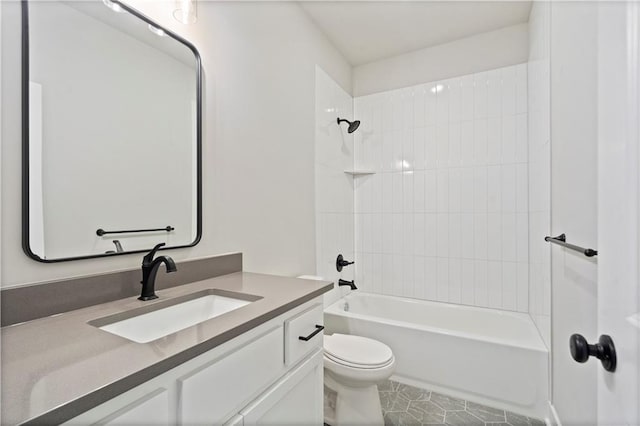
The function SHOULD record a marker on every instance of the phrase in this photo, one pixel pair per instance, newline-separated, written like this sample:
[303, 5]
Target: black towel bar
[100, 232]
[561, 240]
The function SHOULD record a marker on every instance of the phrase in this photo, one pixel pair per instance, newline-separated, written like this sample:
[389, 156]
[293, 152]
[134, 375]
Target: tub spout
[351, 283]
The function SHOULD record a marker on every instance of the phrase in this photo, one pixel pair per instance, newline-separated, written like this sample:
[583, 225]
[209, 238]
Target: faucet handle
[148, 258]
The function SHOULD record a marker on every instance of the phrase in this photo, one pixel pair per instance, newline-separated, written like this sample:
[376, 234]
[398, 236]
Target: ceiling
[367, 31]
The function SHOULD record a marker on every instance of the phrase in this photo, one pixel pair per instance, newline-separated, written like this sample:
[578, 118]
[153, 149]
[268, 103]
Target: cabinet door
[297, 399]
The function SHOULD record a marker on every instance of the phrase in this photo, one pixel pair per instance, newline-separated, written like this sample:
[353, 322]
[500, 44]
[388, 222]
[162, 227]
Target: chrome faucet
[150, 269]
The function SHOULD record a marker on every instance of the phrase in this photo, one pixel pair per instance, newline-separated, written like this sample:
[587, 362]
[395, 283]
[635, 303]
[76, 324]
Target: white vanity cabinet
[295, 400]
[264, 376]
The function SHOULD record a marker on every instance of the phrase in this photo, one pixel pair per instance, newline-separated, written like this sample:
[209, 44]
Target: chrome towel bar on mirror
[100, 232]
[561, 240]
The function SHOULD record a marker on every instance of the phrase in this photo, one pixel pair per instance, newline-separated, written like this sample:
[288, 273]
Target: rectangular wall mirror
[111, 132]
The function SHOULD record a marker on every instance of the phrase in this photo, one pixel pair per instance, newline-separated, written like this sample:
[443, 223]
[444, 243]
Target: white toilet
[353, 366]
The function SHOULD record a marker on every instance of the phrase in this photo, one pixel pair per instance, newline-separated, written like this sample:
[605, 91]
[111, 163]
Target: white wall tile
[454, 145]
[419, 101]
[430, 191]
[467, 289]
[442, 229]
[494, 189]
[454, 190]
[509, 236]
[407, 234]
[523, 286]
[494, 236]
[521, 88]
[419, 234]
[509, 139]
[442, 103]
[419, 191]
[376, 233]
[508, 190]
[398, 233]
[431, 278]
[442, 266]
[480, 95]
[419, 148]
[466, 98]
[467, 196]
[509, 286]
[480, 235]
[376, 273]
[447, 218]
[494, 284]
[419, 277]
[494, 140]
[455, 99]
[480, 141]
[467, 232]
[455, 236]
[398, 275]
[521, 145]
[442, 145]
[455, 281]
[430, 147]
[494, 93]
[407, 276]
[480, 189]
[430, 234]
[467, 148]
[387, 233]
[480, 284]
[430, 108]
[508, 91]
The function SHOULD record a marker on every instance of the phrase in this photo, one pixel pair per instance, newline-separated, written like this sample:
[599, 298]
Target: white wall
[334, 188]
[482, 52]
[259, 62]
[445, 216]
[540, 168]
[134, 175]
[574, 103]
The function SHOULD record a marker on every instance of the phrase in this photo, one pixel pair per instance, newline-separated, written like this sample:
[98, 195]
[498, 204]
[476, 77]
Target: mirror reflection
[112, 132]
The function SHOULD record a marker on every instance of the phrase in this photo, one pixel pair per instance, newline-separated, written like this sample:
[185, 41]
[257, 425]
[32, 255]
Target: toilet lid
[357, 351]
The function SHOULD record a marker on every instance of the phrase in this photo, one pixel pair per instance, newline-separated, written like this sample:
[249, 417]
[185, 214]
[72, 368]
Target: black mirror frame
[25, 137]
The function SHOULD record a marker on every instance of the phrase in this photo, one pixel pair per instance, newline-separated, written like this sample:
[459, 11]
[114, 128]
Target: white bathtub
[483, 355]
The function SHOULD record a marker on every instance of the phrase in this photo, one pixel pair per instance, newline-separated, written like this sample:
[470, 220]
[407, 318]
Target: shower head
[353, 125]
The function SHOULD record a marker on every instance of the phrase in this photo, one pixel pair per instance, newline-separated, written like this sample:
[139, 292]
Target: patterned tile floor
[406, 405]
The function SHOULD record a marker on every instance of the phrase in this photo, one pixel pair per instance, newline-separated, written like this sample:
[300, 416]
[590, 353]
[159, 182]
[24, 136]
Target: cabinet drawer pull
[318, 329]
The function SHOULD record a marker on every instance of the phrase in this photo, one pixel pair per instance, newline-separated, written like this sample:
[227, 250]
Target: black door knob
[604, 350]
[341, 263]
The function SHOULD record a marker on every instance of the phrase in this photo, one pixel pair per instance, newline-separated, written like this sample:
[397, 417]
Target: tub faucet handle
[341, 263]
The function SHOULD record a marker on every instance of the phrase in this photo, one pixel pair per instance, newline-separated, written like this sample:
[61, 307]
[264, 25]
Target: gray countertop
[55, 368]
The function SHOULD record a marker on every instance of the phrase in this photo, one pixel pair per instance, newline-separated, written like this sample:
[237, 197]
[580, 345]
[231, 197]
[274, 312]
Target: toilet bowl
[353, 366]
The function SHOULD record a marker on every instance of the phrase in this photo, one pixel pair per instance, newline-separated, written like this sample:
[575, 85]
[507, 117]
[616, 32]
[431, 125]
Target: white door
[618, 210]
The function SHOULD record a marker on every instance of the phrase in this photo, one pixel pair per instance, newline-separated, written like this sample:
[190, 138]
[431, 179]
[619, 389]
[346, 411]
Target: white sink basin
[146, 324]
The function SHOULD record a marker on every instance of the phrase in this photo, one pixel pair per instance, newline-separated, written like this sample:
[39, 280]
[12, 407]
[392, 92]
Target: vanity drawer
[215, 392]
[303, 333]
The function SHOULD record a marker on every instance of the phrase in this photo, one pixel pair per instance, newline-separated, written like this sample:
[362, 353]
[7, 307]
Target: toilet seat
[357, 351]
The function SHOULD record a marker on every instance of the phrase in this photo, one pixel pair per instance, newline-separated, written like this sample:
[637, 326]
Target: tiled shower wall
[334, 189]
[445, 215]
[540, 167]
